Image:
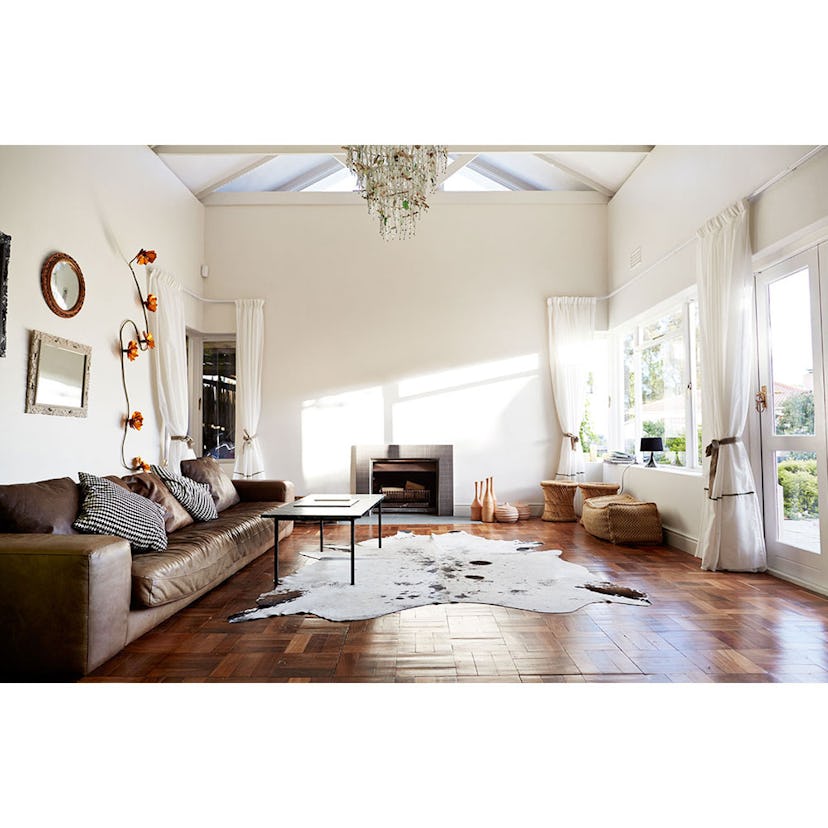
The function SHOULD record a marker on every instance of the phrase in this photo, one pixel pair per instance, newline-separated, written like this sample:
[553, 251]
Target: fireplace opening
[408, 485]
[416, 478]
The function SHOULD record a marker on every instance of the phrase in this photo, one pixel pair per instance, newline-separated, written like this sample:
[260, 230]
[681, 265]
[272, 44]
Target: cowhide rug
[415, 570]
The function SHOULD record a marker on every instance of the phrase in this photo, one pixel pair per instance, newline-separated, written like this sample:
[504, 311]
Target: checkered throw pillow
[194, 497]
[108, 509]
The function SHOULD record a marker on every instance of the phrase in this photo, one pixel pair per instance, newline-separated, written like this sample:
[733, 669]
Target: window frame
[687, 303]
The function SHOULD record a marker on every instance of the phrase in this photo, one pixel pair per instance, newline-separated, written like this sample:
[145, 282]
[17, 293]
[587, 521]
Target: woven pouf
[620, 518]
[558, 500]
[506, 513]
[524, 511]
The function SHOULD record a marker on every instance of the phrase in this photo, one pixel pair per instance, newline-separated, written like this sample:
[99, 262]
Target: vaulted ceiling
[212, 170]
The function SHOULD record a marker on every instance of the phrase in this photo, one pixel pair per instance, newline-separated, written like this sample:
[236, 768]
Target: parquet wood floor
[701, 627]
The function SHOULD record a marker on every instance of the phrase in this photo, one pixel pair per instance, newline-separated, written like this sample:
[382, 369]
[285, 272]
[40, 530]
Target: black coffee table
[321, 508]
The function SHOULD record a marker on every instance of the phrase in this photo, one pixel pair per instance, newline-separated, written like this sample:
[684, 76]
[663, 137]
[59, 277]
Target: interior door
[790, 316]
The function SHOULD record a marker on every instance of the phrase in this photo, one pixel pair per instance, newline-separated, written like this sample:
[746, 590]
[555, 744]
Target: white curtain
[731, 536]
[249, 355]
[170, 367]
[571, 324]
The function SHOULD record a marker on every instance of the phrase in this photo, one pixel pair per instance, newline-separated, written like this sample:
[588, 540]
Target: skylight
[340, 181]
[466, 180]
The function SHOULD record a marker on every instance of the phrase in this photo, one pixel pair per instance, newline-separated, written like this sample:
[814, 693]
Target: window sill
[664, 468]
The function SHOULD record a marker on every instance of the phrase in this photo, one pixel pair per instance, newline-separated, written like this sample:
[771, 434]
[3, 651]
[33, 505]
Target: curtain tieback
[247, 439]
[573, 439]
[183, 438]
[712, 451]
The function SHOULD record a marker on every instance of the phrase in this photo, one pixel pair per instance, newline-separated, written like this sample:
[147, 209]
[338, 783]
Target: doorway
[790, 312]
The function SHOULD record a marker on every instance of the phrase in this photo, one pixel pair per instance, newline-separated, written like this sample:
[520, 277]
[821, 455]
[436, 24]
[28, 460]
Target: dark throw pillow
[207, 470]
[152, 486]
[109, 509]
[48, 506]
[194, 497]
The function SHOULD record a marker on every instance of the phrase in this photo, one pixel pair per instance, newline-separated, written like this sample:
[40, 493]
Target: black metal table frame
[321, 522]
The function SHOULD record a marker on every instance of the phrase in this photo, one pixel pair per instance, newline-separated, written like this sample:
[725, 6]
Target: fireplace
[415, 479]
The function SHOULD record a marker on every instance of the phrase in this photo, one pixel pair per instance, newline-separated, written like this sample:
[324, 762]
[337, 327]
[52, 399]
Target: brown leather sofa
[69, 602]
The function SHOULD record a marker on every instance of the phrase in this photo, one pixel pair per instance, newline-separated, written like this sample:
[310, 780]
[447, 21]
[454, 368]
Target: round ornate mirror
[62, 284]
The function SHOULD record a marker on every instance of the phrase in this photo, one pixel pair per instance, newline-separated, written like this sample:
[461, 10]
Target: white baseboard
[464, 509]
[680, 540]
[820, 590]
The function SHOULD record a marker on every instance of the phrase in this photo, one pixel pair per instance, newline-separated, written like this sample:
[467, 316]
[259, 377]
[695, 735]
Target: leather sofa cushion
[198, 554]
[47, 506]
[151, 486]
[207, 470]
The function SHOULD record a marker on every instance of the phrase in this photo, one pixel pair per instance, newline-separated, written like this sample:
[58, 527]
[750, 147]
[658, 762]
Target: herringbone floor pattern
[701, 627]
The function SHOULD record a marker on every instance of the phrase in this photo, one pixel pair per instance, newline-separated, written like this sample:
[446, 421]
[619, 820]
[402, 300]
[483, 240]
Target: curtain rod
[769, 183]
[210, 301]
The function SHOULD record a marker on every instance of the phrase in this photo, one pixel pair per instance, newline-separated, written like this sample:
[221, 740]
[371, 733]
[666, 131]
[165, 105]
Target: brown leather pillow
[152, 487]
[207, 470]
[47, 506]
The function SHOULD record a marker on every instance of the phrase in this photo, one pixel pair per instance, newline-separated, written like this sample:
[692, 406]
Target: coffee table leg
[276, 554]
[379, 522]
[321, 535]
[352, 552]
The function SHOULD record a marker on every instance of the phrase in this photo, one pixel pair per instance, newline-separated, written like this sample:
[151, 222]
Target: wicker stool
[558, 500]
[589, 490]
[620, 518]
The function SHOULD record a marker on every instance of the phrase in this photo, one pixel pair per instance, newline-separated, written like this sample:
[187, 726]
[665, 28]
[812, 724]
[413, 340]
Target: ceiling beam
[226, 178]
[311, 176]
[513, 182]
[334, 149]
[456, 165]
[578, 176]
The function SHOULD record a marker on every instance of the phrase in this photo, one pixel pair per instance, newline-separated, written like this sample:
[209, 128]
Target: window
[213, 395]
[594, 428]
[661, 384]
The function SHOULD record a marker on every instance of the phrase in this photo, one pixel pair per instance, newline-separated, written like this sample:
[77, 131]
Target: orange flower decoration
[145, 256]
[132, 350]
[138, 463]
[152, 302]
[136, 420]
[149, 339]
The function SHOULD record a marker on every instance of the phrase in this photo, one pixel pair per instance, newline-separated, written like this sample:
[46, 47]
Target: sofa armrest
[64, 602]
[263, 491]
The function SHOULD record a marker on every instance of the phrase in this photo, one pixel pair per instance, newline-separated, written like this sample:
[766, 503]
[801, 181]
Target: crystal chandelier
[395, 181]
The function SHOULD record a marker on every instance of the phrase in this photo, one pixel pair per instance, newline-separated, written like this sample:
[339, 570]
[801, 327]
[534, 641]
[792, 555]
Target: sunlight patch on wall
[331, 425]
[472, 416]
[483, 372]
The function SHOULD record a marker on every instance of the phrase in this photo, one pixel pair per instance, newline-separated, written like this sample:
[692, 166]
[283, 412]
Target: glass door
[793, 427]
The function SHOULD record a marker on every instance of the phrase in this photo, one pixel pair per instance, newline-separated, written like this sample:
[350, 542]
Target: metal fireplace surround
[362, 458]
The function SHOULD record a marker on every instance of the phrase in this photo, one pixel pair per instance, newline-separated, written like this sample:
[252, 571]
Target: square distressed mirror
[58, 376]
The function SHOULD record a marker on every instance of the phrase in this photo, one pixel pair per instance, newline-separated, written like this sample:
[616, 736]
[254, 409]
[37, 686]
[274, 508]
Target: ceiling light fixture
[396, 181]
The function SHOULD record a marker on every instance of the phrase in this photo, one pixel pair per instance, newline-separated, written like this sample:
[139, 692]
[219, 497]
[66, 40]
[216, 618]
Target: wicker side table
[559, 500]
[589, 490]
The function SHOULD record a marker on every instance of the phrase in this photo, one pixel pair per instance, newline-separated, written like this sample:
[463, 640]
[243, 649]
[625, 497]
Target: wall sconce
[143, 341]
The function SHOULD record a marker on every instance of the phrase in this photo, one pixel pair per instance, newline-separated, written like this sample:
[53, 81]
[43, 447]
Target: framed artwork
[5, 251]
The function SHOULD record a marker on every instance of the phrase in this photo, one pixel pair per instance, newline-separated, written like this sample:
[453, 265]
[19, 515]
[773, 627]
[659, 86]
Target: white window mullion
[639, 422]
[691, 454]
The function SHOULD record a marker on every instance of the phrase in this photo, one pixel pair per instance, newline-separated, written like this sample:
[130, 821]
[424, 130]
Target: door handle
[761, 399]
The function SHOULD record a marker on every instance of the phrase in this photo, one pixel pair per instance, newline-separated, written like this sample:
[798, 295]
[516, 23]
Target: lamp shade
[652, 444]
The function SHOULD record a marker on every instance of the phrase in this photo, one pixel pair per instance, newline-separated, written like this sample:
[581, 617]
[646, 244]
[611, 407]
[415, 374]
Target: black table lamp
[651, 444]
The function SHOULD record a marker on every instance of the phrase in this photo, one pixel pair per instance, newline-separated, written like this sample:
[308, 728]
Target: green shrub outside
[800, 495]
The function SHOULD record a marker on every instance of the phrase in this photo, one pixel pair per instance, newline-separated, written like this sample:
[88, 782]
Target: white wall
[100, 205]
[672, 193]
[436, 339]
